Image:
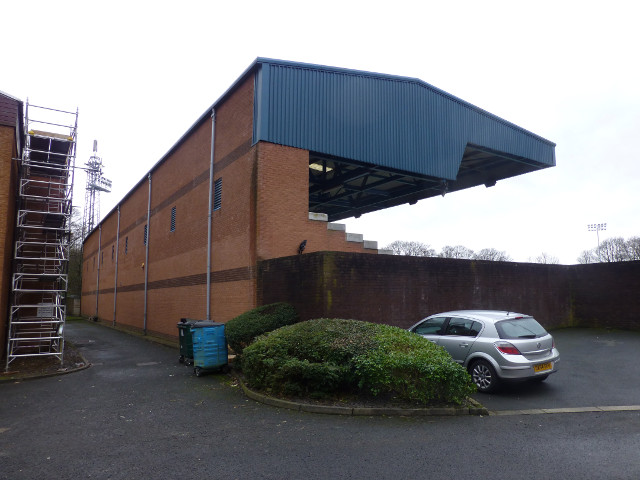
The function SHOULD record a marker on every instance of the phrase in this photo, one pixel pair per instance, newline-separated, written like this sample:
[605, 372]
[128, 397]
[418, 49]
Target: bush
[243, 329]
[328, 357]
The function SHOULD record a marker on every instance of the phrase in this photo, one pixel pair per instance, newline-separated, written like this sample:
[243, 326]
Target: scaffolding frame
[42, 240]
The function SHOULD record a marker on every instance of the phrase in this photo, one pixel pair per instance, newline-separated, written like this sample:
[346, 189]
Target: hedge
[328, 357]
[243, 329]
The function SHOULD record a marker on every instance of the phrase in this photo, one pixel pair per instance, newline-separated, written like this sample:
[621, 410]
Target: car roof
[486, 315]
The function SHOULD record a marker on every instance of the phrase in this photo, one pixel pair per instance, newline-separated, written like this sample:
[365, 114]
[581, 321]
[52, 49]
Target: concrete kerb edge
[552, 411]
[475, 408]
[18, 377]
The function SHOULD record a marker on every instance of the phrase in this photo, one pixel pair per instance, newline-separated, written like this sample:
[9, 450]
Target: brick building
[11, 135]
[267, 171]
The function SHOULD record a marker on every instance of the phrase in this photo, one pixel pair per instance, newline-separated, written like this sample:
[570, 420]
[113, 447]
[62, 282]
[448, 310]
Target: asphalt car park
[598, 368]
[139, 413]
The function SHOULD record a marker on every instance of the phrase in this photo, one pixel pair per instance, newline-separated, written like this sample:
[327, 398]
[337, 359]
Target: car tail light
[507, 348]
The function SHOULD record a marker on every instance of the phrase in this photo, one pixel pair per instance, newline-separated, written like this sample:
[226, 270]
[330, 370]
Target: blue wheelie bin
[209, 347]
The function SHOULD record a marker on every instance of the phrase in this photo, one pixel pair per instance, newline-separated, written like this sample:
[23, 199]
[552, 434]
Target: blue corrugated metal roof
[396, 122]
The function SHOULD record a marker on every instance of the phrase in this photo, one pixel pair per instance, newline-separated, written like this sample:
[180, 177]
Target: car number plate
[542, 367]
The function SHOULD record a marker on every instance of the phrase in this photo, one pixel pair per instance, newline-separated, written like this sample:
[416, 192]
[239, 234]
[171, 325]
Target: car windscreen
[525, 327]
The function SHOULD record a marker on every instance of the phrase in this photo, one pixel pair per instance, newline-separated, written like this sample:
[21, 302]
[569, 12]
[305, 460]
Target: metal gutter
[115, 283]
[98, 273]
[146, 259]
[209, 215]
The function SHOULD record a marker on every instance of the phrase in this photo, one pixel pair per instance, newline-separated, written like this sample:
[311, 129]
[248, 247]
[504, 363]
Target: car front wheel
[484, 376]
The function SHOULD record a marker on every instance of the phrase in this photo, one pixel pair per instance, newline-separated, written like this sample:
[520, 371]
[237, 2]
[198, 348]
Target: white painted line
[543, 411]
[628, 408]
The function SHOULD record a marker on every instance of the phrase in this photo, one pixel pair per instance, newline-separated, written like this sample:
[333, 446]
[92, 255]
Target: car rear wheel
[484, 376]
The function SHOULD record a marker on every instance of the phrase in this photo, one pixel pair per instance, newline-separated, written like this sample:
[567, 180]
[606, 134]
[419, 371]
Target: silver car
[493, 345]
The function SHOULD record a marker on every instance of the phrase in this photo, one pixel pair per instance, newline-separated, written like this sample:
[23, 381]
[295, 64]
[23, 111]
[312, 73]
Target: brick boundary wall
[400, 290]
[607, 295]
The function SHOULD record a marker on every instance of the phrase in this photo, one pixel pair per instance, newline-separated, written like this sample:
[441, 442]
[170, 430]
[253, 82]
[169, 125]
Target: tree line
[615, 249]
[419, 249]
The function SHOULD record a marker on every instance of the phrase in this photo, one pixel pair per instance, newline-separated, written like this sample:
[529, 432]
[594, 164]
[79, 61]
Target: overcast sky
[141, 73]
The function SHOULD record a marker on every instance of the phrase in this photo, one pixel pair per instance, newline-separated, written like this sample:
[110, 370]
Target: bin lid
[206, 323]
[187, 321]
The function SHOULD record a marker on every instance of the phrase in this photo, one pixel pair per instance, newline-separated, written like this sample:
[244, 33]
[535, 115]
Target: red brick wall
[177, 260]
[401, 290]
[9, 108]
[607, 295]
[8, 173]
[233, 225]
[264, 214]
[283, 207]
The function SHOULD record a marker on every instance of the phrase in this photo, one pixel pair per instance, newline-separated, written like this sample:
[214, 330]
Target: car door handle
[464, 345]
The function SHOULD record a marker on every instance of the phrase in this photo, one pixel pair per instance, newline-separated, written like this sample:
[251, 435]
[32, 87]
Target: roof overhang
[344, 188]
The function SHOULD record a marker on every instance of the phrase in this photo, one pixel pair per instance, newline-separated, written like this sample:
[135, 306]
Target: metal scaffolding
[43, 228]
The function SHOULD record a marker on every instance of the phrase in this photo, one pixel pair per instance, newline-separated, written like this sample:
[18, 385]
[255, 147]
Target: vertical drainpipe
[209, 215]
[146, 259]
[115, 282]
[98, 274]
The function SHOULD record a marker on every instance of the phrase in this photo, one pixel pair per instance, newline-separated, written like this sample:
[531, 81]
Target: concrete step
[349, 237]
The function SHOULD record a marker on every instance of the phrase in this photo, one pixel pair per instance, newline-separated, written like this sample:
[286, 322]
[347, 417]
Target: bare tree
[493, 255]
[633, 248]
[75, 255]
[547, 259]
[411, 248]
[588, 256]
[613, 250]
[458, 251]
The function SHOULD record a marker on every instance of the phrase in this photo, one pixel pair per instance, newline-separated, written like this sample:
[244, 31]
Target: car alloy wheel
[484, 376]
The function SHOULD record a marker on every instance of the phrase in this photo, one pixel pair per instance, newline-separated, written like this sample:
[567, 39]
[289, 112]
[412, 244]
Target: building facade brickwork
[261, 220]
[10, 111]
[263, 213]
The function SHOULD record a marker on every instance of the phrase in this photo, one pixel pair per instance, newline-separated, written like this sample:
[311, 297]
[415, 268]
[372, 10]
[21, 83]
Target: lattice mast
[96, 183]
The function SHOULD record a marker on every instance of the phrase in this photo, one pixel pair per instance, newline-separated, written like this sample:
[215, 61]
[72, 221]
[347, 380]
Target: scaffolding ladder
[42, 239]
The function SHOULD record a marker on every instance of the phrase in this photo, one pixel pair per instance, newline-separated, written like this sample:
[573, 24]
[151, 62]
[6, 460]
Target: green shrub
[243, 329]
[328, 357]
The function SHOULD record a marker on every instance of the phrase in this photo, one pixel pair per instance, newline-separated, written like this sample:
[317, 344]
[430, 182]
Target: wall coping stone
[371, 244]
[318, 217]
